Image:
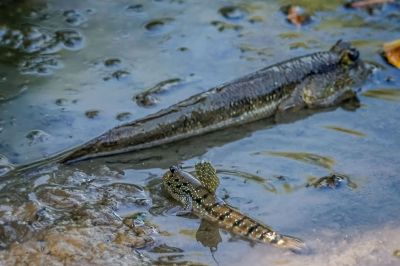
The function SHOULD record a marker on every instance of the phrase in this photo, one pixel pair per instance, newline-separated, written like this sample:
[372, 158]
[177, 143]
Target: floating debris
[310, 158]
[384, 94]
[188, 232]
[37, 136]
[256, 19]
[183, 49]
[391, 52]
[40, 65]
[290, 35]
[92, 114]
[120, 74]
[147, 98]
[124, 116]
[232, 12]
[366, 3]
[396, 253]
[331, 181]
[242, 174]
[296, 15]
[297, 45]
[164, 248]
[61, 102]
[137, 8]
[71, 39]
[249, 176]
[156, 24]
[346, 130]
[222, 26]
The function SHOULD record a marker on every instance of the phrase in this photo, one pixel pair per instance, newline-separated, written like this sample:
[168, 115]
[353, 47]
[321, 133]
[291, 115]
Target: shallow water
[72, 70]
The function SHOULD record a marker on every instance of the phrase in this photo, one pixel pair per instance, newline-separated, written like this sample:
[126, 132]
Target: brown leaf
[297, 16]
[391, 52]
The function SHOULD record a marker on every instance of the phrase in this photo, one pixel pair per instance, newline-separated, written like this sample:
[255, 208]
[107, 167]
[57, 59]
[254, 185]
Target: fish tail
[292, 243]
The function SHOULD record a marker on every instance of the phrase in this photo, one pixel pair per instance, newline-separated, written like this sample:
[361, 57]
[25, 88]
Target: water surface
[71, 70]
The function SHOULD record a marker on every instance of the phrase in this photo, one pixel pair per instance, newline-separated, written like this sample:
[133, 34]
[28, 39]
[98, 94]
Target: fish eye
[173, 169]
[353, 54]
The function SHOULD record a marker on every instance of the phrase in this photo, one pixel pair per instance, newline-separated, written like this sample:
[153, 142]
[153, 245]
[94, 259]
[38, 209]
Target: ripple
[61, 102]
[74, 17]
[71, 39]
[112, 62]
[40, 65]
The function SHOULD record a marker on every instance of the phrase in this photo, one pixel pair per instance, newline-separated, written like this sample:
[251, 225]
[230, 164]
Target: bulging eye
[173, 168]
[353, 54]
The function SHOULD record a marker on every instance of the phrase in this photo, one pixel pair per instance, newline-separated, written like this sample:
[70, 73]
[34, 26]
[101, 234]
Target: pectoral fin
[207, 175]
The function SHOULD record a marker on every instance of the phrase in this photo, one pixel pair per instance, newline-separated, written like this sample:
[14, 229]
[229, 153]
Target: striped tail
[245, 226]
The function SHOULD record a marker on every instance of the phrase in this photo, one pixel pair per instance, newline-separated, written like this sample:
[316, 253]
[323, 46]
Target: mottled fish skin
[317, 80]
[196, 198]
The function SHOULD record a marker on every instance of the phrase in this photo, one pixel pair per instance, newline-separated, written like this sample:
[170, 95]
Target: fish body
[200, 199]
[317, 80]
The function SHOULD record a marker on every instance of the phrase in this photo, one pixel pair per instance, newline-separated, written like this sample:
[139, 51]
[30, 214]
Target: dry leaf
[296, 15]
[391, 52]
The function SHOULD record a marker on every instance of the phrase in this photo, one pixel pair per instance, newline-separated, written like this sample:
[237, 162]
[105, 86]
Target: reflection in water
[310, 158]
[384, 94]
[174, 153]
[208, 234]
[346, 130]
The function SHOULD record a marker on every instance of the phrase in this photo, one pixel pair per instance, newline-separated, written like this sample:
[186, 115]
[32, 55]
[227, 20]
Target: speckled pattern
[196, 197]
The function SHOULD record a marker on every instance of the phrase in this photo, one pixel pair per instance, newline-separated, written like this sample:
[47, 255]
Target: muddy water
[71, 70]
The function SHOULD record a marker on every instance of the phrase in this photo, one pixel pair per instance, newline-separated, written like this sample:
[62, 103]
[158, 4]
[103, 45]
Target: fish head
[350, 62]
[180, 184]
[339, 84]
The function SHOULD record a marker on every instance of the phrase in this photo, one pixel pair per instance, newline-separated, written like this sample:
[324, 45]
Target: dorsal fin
[207, 175]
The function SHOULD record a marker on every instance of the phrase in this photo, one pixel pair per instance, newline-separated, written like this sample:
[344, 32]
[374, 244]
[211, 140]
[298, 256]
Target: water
[72, 70]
